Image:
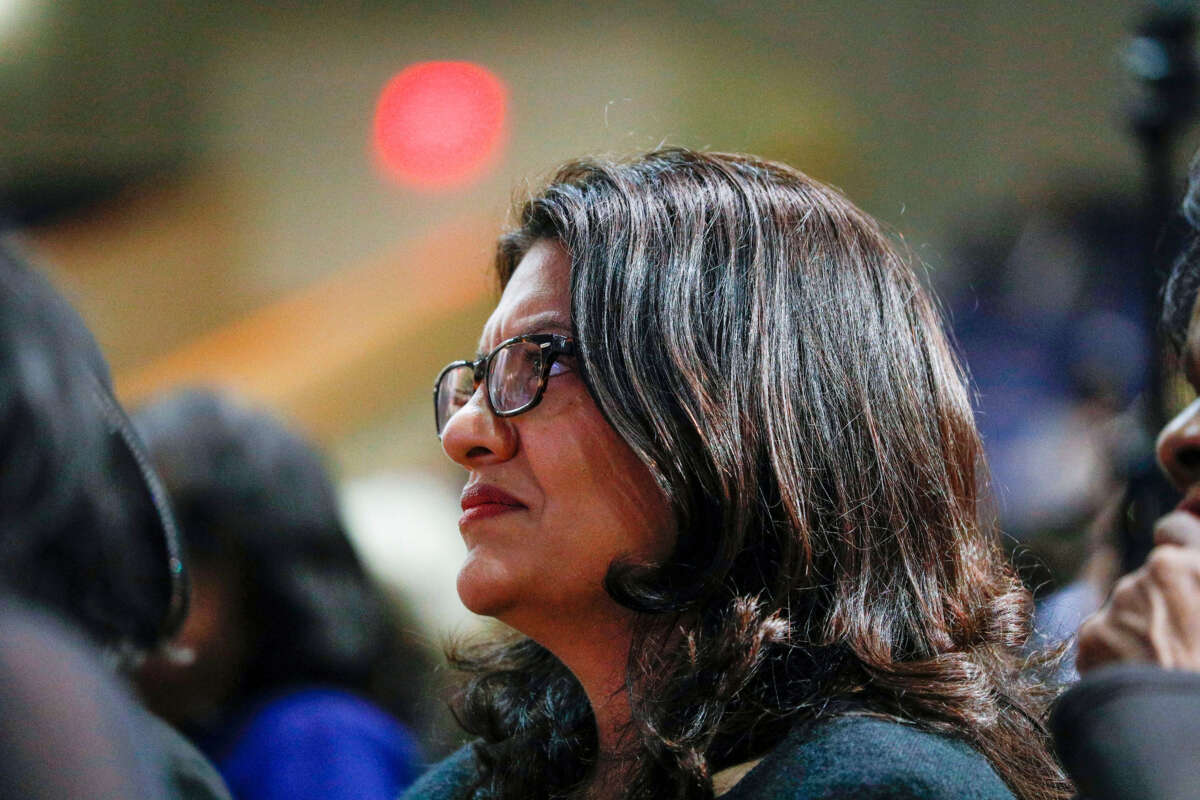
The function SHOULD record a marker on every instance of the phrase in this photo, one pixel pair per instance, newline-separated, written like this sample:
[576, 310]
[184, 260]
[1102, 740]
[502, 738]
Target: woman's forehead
[537, 296]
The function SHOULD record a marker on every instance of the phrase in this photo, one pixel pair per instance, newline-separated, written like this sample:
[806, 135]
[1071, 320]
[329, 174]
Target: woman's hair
[254, 500]
[84, 526]
[766, 351]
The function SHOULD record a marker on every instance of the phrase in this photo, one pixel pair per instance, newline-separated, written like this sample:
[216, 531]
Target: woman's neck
[610, 707]
[599, 661]
[608, 780]
[596, 650]
[600, 667]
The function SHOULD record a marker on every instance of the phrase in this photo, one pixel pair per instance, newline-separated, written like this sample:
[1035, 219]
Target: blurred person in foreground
[1131, 728]
[722, 482]
[67, 728]
[85, 536]
[283, 648]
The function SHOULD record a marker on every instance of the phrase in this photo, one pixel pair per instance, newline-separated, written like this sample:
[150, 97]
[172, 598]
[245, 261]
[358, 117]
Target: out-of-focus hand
[1178, 527]
[1153, 614]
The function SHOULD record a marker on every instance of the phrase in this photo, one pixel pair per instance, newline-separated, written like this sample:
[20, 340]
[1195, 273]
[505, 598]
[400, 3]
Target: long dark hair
[254, 498]
[773, 359]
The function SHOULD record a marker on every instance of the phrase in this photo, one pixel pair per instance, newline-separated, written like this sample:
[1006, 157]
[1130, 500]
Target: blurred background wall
[199, 176]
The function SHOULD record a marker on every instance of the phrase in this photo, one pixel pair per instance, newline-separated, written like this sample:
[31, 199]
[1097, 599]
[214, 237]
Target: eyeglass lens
[513, 379]
[455, 388]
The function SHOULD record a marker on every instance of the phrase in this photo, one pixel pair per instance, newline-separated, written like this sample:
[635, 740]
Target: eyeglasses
[515, 374]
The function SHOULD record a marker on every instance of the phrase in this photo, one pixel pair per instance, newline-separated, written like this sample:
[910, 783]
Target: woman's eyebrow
[546, 322]
[550, 322]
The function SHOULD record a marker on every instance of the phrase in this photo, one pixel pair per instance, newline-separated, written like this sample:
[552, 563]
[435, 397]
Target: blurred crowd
[270, 666]
[184, 614]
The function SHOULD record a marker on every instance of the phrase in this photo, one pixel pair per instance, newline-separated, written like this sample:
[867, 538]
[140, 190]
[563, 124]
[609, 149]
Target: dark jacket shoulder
[841, 757]
[1131, 731]
[446, 780]
[868, 757]
[188, 774]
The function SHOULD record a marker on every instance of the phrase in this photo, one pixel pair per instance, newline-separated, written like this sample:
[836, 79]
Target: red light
[440, 124]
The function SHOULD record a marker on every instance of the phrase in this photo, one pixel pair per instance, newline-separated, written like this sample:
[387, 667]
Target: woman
[722, 481]
[287, 637]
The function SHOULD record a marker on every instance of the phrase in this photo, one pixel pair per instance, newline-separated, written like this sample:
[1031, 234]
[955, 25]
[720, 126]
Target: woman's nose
[474, 436]
[1179, 447]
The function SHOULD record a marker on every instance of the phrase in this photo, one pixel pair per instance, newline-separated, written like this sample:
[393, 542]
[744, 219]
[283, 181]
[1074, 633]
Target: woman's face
[1179, 450]
[554, 495]
[1179, 442]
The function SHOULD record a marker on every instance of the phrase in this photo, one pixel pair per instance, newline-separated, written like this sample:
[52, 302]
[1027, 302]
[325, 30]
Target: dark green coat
[843, 757]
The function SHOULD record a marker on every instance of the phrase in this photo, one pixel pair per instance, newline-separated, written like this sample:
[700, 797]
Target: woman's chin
[484, 587]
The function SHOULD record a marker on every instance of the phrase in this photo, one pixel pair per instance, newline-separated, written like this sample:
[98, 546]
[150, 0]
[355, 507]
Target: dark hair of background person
[255, 503]
[769, 354]
[83, 527]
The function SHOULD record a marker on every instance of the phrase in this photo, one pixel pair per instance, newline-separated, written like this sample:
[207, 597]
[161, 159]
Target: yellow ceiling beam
[338, 352]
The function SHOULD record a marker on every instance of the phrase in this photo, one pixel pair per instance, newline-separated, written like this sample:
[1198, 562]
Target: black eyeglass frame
[552, 346]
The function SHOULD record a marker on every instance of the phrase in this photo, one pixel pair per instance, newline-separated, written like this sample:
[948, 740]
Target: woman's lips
[482, 501]
[484, 511]
[1190, 502]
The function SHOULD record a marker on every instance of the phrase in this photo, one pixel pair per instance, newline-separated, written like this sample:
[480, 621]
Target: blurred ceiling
[202, 183]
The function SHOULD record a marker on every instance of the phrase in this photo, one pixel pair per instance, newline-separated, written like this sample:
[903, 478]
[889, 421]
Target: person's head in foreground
[84, 526]
[1153, 614]
[86, 535]
[723, 479]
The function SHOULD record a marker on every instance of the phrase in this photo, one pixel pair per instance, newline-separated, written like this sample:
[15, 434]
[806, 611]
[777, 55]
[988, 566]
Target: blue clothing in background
[318, 744]
[1058, 617]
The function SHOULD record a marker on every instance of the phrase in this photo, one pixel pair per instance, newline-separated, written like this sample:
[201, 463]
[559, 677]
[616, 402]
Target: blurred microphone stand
[1161, 59]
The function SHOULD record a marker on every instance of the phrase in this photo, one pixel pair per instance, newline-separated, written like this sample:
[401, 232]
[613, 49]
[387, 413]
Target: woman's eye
[558, 368]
